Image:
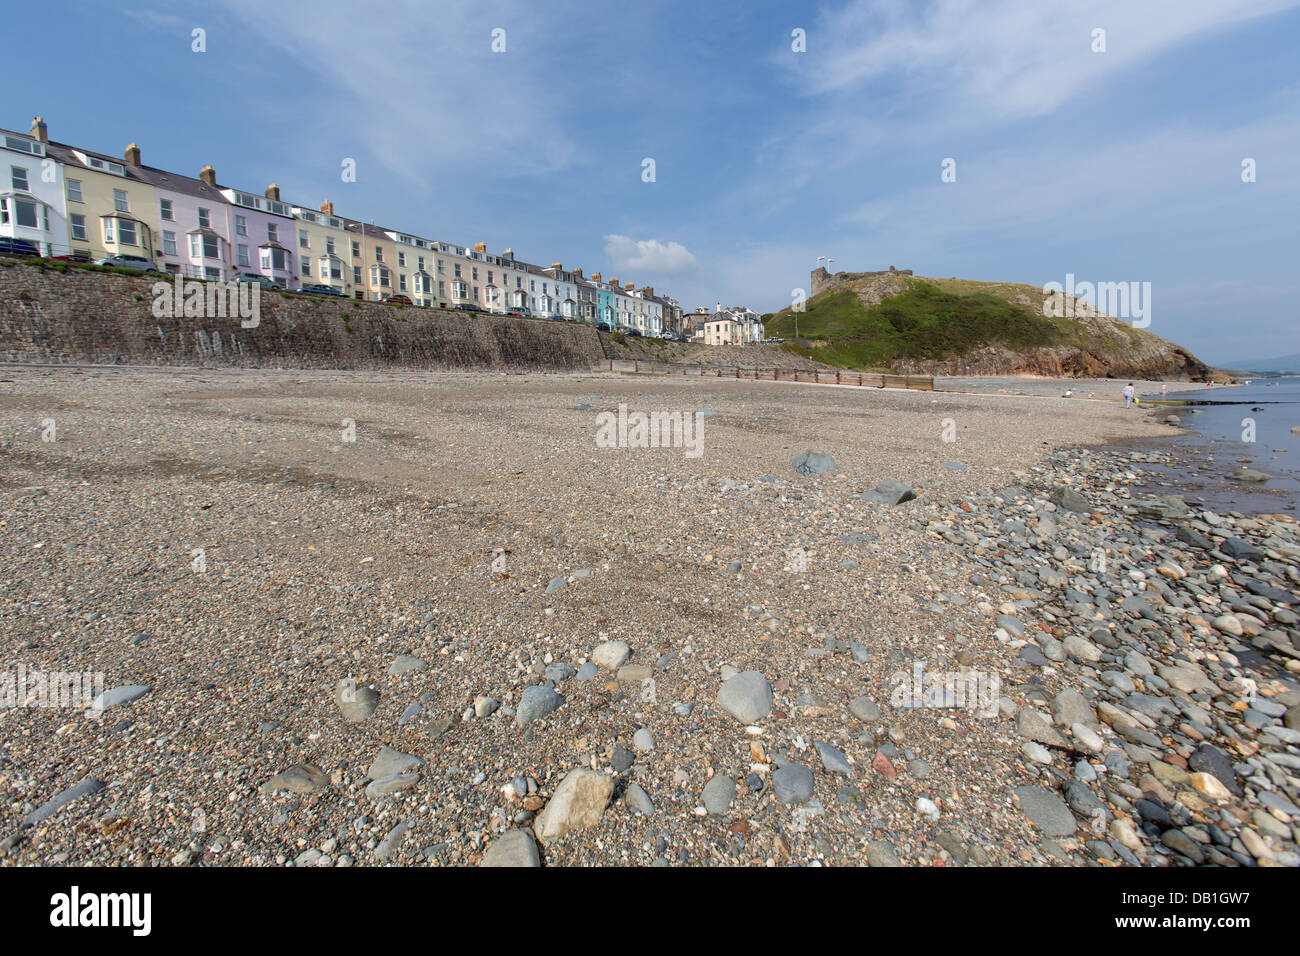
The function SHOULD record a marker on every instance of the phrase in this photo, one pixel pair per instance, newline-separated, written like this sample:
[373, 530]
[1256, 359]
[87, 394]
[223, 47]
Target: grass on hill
[922, 322]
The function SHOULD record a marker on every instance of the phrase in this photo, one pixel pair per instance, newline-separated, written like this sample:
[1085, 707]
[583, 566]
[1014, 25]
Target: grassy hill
[948, 326]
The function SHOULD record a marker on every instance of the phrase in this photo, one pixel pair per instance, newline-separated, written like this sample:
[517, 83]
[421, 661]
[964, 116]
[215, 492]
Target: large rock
[611, 655]
[1071, 500]
[579, 801]
[793, 784]
[389, 761]
[118, 696]
[747, 697]
[300, 778]
[813, 463]
[1046, 810]
[889, 492]
[52, 806]
[356, 702]
[718, 794]
[1241, 550]
[513, 848]
[536, 702]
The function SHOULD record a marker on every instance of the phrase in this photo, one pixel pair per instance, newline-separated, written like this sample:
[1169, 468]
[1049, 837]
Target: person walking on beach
[1129, 394]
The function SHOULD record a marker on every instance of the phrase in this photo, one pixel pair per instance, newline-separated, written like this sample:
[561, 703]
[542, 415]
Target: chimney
[558, 267]
[614, 283]
[648, 292]
[132, 155]
[595, 277]
[327, 208]
[629, 286]
[578, 273]
[273, 192]
[719, 308]
[508, 254]
[480, 247]
[39, 130]
[208, 175]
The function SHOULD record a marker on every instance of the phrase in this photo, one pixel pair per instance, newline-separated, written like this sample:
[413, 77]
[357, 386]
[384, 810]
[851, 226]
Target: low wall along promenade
[72, 315]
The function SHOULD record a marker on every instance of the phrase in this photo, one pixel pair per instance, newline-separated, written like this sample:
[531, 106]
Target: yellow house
[374, 261]
[324, 248]
[112, 210]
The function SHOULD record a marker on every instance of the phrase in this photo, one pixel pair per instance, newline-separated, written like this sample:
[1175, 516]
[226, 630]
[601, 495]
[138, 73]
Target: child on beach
[1129, 394]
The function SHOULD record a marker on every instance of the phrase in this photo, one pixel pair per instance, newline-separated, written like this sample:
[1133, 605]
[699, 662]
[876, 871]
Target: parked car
[635, 333]
[323, 290]
[83, 257]
[255, 278]
[398, 300]
[18, 247]
[132, 263]
[604, 327]
[468, 307]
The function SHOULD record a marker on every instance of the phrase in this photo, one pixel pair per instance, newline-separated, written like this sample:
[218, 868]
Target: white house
[32, 203]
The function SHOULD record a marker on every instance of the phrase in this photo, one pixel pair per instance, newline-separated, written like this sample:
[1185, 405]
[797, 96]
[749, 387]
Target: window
[78, 224]
[169, 243]
[303, 242]
[306, 267]
[489, 277]
[19, 177]
[440, 272]
[379, 276]
[205, 221]
[474, 273]
[356, 252]
[108, 230]
[456, 267]
[331, 268]
[25, 145]
[242, 253]
[165, 210]
[356, 275]
[195, 249]
[211, 247]
[421, 260]
[379, 254]
[74, 190]
[212, 274]
[271, 233]
[125, 232]
[401, 281]
[241, 225]
[120, 201]
[329, 246]
[401, 260]
[25, 214]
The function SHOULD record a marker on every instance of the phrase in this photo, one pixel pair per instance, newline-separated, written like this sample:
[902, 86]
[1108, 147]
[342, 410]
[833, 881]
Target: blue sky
[1115, 166]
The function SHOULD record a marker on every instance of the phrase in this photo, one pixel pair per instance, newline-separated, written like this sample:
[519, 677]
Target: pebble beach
[423, 619]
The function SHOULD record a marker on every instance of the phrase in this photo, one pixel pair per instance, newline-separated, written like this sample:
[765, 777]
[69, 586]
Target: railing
[923, 383]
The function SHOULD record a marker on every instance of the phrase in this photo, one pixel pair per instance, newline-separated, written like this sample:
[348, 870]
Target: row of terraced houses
[72, 201]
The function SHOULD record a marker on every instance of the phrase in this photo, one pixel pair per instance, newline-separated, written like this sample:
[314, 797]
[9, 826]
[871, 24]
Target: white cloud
[1004, 58]
[624, 252]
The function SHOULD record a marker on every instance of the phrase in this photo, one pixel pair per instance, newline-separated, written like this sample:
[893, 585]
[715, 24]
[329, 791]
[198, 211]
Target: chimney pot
[327, 208]
[595, 277]
[480, 247]
[39, 130]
